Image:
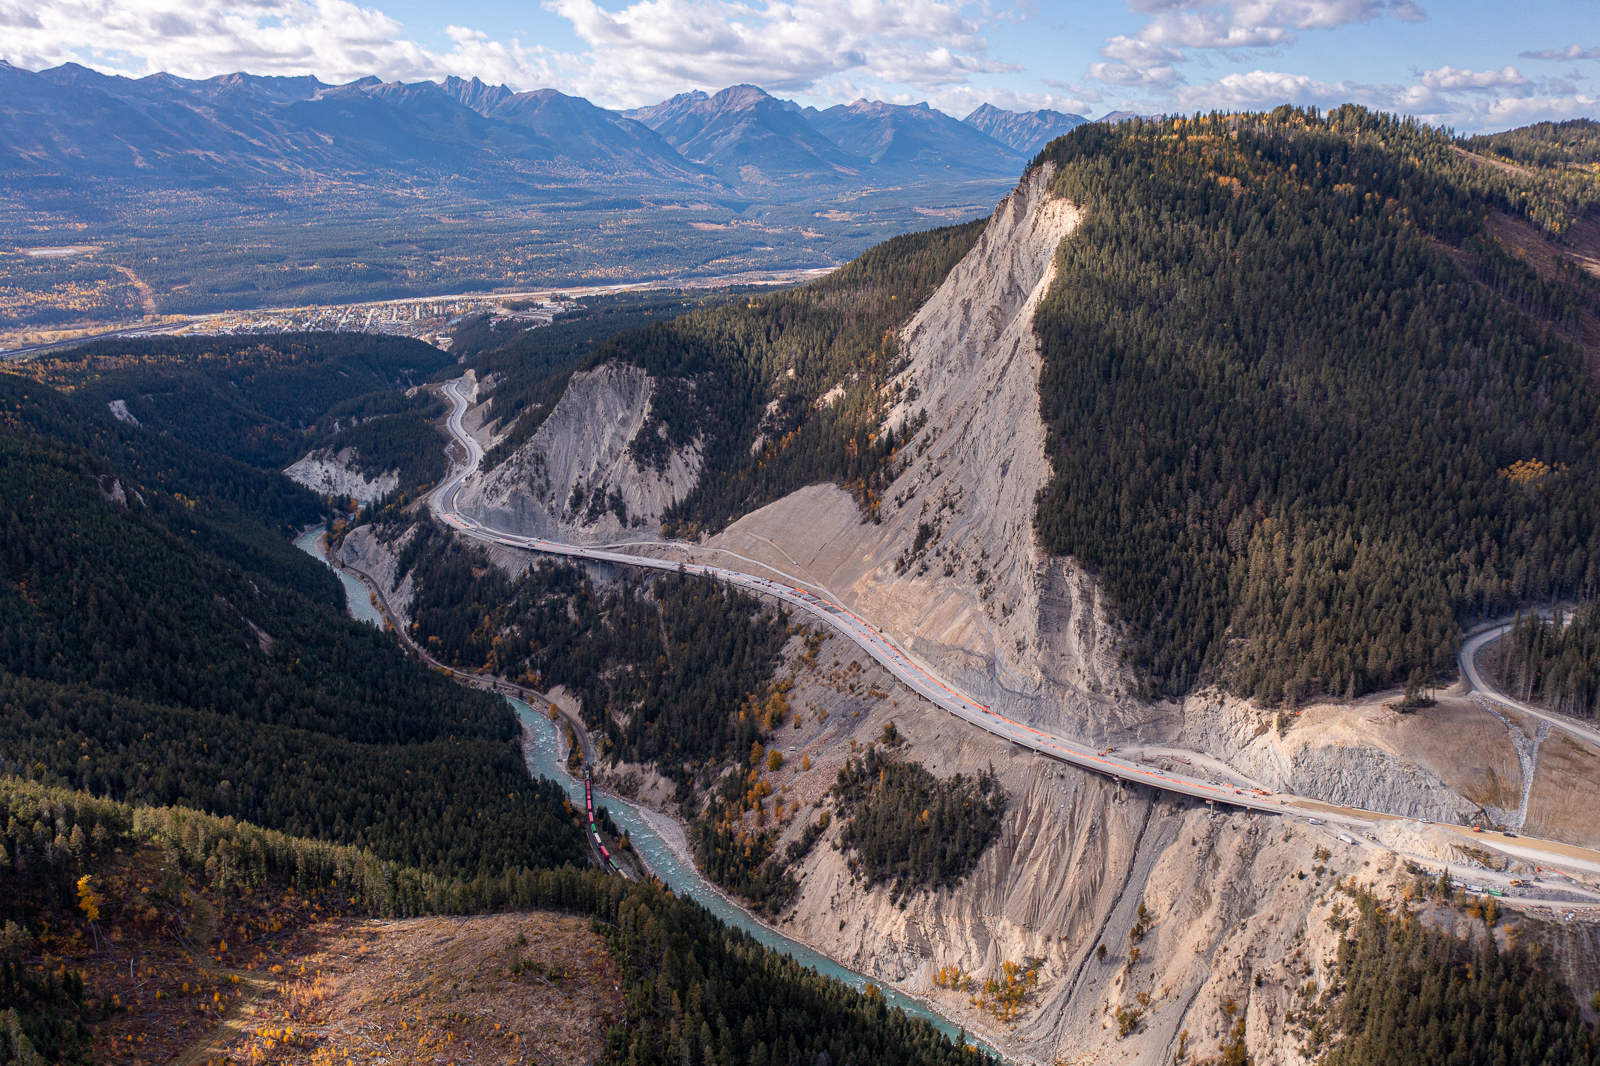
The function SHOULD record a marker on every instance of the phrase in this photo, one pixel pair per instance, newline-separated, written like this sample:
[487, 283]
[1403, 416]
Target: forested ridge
[693, 985]
[161, 641]
[1303, 424]
[267, 400]
[1573, 143]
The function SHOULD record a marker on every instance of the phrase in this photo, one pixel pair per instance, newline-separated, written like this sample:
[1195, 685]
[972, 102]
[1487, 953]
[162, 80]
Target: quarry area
[1137, 925]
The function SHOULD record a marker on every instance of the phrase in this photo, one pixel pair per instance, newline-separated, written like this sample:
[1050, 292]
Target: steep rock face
[972, 595]
[954, 573]
[333, 473]
[575, 479]
[361, 550]
[1078, 854]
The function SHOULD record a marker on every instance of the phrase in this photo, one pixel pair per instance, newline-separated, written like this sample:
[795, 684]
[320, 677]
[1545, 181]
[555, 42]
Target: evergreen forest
[162, 642]
[908, 827]
[1552, 660]
[1411, 995]
[1544, 144]
[1307, 415]
[664, 667]
[268, 400]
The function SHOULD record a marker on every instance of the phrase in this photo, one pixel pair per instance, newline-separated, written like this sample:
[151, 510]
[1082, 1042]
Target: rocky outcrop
[361, 550]
[576, 479]
[333, 473]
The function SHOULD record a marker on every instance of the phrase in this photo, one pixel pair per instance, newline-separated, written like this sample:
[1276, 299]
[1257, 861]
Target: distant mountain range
[71, 122]
[750, 138]
[1024, 131]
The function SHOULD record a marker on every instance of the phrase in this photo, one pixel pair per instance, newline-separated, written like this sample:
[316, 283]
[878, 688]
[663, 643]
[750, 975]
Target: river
[356, 595]
[545, 760]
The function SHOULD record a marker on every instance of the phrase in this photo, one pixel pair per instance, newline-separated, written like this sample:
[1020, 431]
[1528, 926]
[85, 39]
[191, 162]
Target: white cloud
[1261, 90]
[652, 48]
[1178, 32]
[1228, 26]
[1571, 51]
[1449, 79]
[1137, 62]
[336, 40]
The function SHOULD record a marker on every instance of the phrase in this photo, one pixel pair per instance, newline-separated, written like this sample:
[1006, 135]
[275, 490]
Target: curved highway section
[874, 642]
[927, 684]
[1469, 673]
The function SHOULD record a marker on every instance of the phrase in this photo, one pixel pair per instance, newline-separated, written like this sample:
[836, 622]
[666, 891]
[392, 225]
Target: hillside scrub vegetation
[92, 880]
[1306, 415]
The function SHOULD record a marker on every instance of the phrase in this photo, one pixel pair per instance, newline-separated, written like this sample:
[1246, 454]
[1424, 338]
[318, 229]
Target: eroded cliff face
[953, 572]
[1228, 898]
[361, 550]
[951, 569]
[332, 473]
[575, 480]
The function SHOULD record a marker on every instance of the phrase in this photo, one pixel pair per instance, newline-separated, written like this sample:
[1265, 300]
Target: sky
[1473, 65]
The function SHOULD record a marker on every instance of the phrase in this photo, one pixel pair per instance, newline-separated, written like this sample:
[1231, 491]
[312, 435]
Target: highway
[150, 329]
[924, 682]
[871, 640]
[1469, 673]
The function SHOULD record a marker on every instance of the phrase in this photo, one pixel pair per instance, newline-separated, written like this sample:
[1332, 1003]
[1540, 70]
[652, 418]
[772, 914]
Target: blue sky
[1472, 65]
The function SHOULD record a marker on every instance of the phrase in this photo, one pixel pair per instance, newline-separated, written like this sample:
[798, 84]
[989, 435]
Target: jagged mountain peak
[747, 135]
[915, 138]
[1023, 131]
